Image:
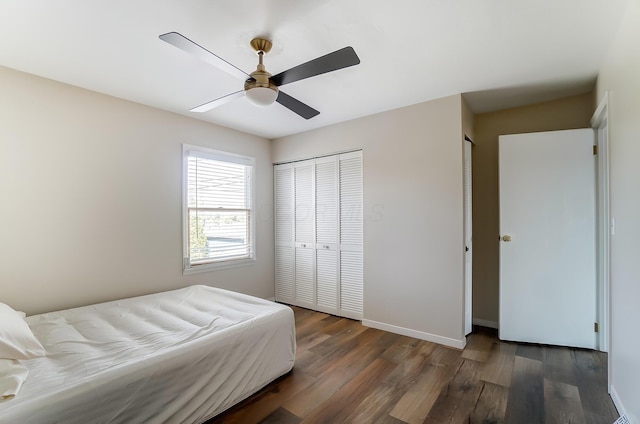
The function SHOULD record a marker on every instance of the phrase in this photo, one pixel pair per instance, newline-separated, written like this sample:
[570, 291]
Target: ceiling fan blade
[339, 59]
[183, 43]
[218, 102]
[296, 106]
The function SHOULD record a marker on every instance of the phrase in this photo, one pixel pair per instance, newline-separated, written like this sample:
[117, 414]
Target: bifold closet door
[305, 275]
[284, 231]
[351, 235]
[327, 288]
[319, 234]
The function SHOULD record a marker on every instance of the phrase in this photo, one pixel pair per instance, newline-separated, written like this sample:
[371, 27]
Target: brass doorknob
[506, 238]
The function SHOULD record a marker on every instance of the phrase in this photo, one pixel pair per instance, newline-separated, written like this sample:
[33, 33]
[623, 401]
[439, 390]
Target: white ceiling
[503, 53]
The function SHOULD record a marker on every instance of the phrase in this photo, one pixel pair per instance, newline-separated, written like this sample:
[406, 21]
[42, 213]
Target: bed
[181, 356]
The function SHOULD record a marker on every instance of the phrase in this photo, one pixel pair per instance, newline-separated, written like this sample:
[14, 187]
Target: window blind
[219, 209]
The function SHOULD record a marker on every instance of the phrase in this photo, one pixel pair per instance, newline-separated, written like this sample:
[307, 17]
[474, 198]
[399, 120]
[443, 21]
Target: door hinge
[595, 149]
[596, 327]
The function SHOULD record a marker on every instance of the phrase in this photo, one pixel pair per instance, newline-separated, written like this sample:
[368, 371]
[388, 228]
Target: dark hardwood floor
[348, 373]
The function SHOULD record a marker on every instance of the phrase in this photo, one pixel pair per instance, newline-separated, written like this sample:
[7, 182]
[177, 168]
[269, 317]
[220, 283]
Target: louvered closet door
[327, 234]
[304, 234]
[284, 230]
[351, 235]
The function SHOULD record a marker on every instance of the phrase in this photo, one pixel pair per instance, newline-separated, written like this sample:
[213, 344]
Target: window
[218, 209]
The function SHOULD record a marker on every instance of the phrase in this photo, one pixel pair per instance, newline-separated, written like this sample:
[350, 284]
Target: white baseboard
[485, 323]
[458, 344]
[619, 406]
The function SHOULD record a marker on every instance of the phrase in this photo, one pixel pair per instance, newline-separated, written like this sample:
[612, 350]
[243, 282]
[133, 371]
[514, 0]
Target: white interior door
[548, 240]
[468, 255]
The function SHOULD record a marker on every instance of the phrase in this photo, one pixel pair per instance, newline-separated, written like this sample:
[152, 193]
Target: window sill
[199, 269]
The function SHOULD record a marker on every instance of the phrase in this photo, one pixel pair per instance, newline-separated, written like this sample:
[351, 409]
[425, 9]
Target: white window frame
[206, 153]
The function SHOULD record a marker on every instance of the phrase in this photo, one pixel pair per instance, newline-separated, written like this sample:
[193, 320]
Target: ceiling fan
[260, 87]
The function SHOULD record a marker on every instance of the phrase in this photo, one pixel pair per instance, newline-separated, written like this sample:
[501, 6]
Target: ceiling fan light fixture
[262, 96]
[259, 89]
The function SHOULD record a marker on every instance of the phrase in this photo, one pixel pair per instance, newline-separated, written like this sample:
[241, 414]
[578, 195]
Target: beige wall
[620, 75]
[413, 246]
[91, 197]
[569, 113]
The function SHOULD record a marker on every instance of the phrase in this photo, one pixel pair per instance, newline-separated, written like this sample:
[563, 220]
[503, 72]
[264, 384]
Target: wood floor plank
[305, 357]
[491, 406]
[342, 339]
[331, 352]
[499, 367]
[268, 400]
[349, 397]
[311, 326]
[559, 365]
[406, 372]
[317, 394]
[300, 314]
[387, 420]
[381, 400]
[531, 351]
[478, 347]
[562, 403]
[387, 340]
[281, 416]
[335, 373]
[339, 326]
[310, 340]
[592, 384]
[400, 350]
[325, 351]
[458, 398]
[526, 394]
[416, 403]
[376, 406]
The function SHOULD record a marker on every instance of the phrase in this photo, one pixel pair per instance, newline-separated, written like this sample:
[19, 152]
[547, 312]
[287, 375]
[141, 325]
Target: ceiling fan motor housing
[259, 88]
[260, 78]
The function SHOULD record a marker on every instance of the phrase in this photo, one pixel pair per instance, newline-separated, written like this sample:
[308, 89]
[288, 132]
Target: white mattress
[181, 356]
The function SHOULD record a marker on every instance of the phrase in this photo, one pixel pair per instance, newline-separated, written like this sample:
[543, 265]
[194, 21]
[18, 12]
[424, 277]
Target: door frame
[600, 124]
[468, 234]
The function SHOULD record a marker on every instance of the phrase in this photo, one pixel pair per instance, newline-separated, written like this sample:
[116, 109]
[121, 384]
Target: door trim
[600, 124]
[468, 233]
